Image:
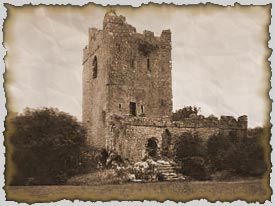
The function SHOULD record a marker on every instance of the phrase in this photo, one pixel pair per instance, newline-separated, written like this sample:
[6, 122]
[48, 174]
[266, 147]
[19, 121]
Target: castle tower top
[112, 17]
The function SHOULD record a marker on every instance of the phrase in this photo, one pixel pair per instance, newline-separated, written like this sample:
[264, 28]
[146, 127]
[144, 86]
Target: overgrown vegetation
[228, 154]
[185, 112]
[190, 153]
[47, 147]
[243, 156]
[146, 48]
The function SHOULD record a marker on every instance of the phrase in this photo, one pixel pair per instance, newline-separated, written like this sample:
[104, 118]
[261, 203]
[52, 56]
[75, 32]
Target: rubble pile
[151, 171]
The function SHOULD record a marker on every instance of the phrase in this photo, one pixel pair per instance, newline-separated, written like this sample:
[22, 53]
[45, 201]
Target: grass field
[249, 190]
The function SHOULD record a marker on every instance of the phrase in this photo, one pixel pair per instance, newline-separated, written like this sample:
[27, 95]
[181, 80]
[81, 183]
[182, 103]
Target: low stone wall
[129, 136]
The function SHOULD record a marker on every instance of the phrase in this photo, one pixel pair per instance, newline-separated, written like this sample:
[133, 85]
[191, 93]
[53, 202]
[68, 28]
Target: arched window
[95, 67]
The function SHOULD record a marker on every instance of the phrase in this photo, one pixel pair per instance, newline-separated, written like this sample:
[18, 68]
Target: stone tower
[124, 73]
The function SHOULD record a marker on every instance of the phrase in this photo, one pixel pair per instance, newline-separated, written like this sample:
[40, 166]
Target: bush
[166, 142]
[189, 152]
[187, 145]
[194, 167]
[244, 156]
[185, 112]
[92, 159]
[47, 146]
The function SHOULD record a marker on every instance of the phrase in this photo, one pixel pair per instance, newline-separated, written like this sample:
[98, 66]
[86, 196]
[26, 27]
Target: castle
[127, 92]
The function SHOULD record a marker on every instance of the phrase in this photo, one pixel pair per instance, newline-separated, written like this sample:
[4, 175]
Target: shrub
[185, 112]
[194, 167]
[189, 152]
[187, 145]
[47, 146]
[166, 142]
[92, 159]
[244, 156]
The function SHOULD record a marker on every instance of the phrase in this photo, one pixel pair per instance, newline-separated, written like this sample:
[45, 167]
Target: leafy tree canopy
[46, 146]
[185, 112]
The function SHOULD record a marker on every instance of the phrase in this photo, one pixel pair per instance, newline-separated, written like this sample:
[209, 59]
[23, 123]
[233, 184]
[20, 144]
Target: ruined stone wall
[129, 135]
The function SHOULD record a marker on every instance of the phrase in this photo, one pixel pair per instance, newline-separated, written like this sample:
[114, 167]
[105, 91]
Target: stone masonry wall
[131, 67]
[140, 69]
[129, 135]
[95, 91]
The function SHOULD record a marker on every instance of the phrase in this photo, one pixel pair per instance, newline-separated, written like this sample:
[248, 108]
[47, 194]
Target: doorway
[133, 108]
[152, 147]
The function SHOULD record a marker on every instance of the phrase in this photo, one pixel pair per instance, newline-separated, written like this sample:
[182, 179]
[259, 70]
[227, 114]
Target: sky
[218, 56]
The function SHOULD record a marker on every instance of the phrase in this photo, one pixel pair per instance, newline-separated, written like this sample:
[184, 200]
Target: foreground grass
[101, 177]
[249, 190]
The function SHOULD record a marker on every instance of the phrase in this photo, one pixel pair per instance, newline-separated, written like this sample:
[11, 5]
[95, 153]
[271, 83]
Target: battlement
[114, 24]
[166, 35]
[148, 34]
[224, 122]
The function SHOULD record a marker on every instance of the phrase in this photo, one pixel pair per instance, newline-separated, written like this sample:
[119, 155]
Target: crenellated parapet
[224, 122]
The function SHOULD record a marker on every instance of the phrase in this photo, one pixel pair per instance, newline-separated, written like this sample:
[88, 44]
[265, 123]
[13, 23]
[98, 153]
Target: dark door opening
[133, 108]
[152, 147]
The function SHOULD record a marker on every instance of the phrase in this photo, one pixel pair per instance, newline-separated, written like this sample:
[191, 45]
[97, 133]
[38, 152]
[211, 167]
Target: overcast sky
[218, 56]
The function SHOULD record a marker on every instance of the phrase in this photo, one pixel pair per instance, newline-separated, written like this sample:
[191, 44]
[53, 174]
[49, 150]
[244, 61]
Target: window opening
[95, 67]
[148, 64]
[152, 147]
[133, 108]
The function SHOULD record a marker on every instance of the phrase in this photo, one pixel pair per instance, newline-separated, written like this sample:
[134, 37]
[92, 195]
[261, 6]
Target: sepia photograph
[120, 103]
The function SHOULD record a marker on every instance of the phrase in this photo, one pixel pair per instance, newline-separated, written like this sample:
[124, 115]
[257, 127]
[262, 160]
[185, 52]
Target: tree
[188, 151]
[47, 145]
[185, 112]
[187, 145]
[244, 156]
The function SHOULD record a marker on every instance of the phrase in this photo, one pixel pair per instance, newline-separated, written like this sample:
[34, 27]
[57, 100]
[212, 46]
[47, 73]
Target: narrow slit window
[148, 64]
[142, 109]
[95, 67]
[119, 107]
